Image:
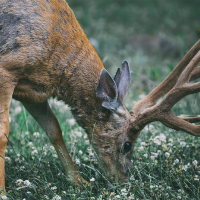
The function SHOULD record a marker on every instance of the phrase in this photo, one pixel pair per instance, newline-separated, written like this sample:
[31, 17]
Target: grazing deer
[44, 52]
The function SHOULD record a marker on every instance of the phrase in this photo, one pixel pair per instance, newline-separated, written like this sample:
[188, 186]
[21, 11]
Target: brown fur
[43, 53]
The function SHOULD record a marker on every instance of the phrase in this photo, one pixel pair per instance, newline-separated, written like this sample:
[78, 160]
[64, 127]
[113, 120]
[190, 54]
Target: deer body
[44, 52]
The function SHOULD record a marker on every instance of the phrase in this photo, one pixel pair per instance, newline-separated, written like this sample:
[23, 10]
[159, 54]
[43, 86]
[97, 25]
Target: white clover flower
[157, 141]
[183, 144]
[145, 155]
[19, 181]
[51, 148]
[30, 144]
[27, 133]
[18, 155]
[57, 197]
[18, 109]
[151, 186]
[195, 163]
[179, 197]
[140, 148]
[91, 154]
[167, 154]
[34, 152]
[143, 143]
[80, 152]
[54, 188]
[92, 179]
[132, 178]
[72, 122]
[36, 134]
[123, 190]
[162, 137]
[117, 197]
[27, 183]
[152, 157]
[79, 134]
[78, 162]
[170, 140]
[154, 154]
[185, 167]
[176, 161]
[7, 159]
[4, 197]
[55, 155]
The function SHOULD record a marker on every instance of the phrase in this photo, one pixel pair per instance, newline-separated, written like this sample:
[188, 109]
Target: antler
[176, 86]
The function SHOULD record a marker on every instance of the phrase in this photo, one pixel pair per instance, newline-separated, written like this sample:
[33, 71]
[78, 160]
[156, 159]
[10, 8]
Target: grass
[166, 163]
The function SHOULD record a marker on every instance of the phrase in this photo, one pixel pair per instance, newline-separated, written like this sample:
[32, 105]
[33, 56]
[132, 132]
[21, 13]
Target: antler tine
[169, 82]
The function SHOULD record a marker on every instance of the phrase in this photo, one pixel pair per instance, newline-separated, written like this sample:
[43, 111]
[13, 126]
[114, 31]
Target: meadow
[153, 36]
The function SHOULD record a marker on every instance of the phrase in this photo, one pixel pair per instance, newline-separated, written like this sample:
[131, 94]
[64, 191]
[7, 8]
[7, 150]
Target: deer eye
[127, 147]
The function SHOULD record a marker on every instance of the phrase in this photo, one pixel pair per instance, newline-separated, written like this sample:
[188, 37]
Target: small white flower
[19, 181]
[7, 159]
[170, 140]
[27, 133]
[72, 122]
[156, 141]
[56, 197]
[132, 178]
[78, 162]
[183, 144]
[18, 155]
[176, 161]
[27, 183]
[79, 134]
[54, 188]
[141, 148]
[145, 155]
[152, 157]
[117, 197]
[143, 143]
[91, 154]
[34, 152]
[30, 144]
[123, 190]
[80, 152]
[151, 186]
[4, 197]
[167, 154]
[154, 154]
[195, 163]
[55, 155]
[92, 179]
[36, 134]
[18, 110]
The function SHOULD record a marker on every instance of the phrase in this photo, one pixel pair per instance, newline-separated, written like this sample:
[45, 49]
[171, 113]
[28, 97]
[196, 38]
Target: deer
[45, 53]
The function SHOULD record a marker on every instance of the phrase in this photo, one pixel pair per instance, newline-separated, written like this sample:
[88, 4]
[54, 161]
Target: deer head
[114, 139]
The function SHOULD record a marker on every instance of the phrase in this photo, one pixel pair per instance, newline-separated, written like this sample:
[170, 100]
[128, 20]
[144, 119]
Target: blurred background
[152, 35]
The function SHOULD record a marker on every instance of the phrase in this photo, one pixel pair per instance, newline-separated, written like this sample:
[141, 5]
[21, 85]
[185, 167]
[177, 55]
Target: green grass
[155, 174]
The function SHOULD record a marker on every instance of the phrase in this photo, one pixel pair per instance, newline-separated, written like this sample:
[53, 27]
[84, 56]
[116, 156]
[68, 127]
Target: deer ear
[122, 79]
[107, 90]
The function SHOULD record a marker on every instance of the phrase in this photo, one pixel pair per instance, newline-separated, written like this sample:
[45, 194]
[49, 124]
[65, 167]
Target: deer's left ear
[122, 79]
[107, 89]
